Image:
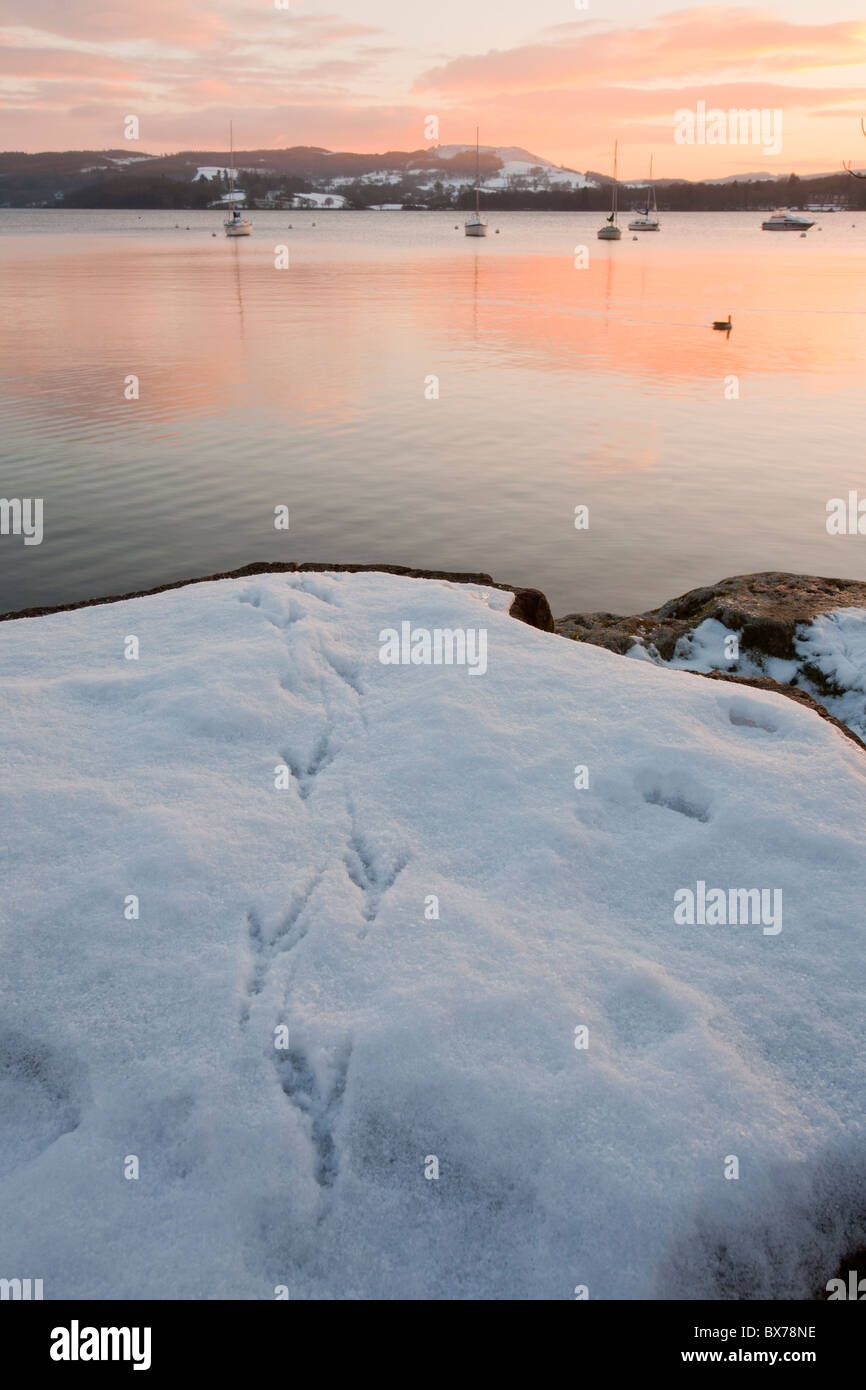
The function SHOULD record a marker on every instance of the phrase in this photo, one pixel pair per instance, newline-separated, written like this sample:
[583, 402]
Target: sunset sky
[560, 81]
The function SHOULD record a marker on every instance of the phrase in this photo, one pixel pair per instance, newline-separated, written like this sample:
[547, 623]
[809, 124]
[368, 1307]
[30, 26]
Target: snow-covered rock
[290, 814]
[800, 631]
[829, 662]
[831, 653]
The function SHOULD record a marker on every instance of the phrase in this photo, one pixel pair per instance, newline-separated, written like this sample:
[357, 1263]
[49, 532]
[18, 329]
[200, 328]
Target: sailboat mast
[477, 174]
[231, 164]
[615, 148]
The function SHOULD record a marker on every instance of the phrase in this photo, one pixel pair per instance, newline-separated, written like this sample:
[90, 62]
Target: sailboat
[236, 225]
[476, 226]
[611, 232]
[648, 221]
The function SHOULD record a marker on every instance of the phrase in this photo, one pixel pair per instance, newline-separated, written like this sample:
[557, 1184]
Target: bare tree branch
[847, 167]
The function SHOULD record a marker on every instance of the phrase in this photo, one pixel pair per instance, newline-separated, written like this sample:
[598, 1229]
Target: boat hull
[240, 229]
[609, 233]
[644, 226]
[786, 226]
[475, 228]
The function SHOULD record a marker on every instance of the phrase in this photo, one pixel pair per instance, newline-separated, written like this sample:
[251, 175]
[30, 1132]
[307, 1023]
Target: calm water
[306, 387]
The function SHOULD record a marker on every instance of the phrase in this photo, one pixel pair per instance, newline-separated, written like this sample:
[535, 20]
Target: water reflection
[557, 385]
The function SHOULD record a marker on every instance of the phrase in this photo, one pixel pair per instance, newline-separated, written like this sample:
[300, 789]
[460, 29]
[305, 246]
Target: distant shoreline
[490, 208]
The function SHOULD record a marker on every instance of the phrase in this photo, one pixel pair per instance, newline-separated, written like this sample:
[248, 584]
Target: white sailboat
[611, 232]
[648, 221]
[476, 226]
[236, 224]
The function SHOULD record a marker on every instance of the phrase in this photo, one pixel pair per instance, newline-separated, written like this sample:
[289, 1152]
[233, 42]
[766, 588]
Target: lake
[313, 388]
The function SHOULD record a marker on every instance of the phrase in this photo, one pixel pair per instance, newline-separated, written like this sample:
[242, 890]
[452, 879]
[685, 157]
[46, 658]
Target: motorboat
[786, 222]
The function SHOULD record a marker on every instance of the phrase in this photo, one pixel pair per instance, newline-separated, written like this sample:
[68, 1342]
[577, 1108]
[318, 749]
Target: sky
[562, 81]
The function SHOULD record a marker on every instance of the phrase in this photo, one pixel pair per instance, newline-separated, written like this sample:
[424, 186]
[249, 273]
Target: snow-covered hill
[308, 941]
[507, 153]
[515, 167]
[518, 163]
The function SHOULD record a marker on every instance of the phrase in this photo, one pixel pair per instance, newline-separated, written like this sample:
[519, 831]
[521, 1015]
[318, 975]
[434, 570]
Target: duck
[723, 323]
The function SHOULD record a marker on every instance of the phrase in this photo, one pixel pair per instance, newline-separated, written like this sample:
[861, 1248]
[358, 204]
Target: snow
[704, 649]
[411, 1037]
[559, 178]
[516, 162]
[319, 200]
[830, 661]
[507, 153]
[835, 646]
[381, 177]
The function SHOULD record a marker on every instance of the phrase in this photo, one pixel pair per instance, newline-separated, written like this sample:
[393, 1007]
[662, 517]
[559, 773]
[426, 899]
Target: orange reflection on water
[208, 325]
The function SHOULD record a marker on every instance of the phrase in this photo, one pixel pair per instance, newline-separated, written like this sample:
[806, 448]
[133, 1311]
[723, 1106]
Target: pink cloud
[686, 44]
[106, 21]
[193, 23]
[289, 78]
[48, 64]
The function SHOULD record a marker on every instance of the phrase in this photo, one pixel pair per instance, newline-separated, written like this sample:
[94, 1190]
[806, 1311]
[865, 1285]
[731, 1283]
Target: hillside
[440, 177]
[56, 177]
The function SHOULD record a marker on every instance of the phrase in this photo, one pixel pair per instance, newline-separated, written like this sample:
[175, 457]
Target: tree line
[135, 190]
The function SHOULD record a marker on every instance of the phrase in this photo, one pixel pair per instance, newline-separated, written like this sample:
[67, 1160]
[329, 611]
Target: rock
[766, 608]
[529, 605]
[611, 638]
[791, 691]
